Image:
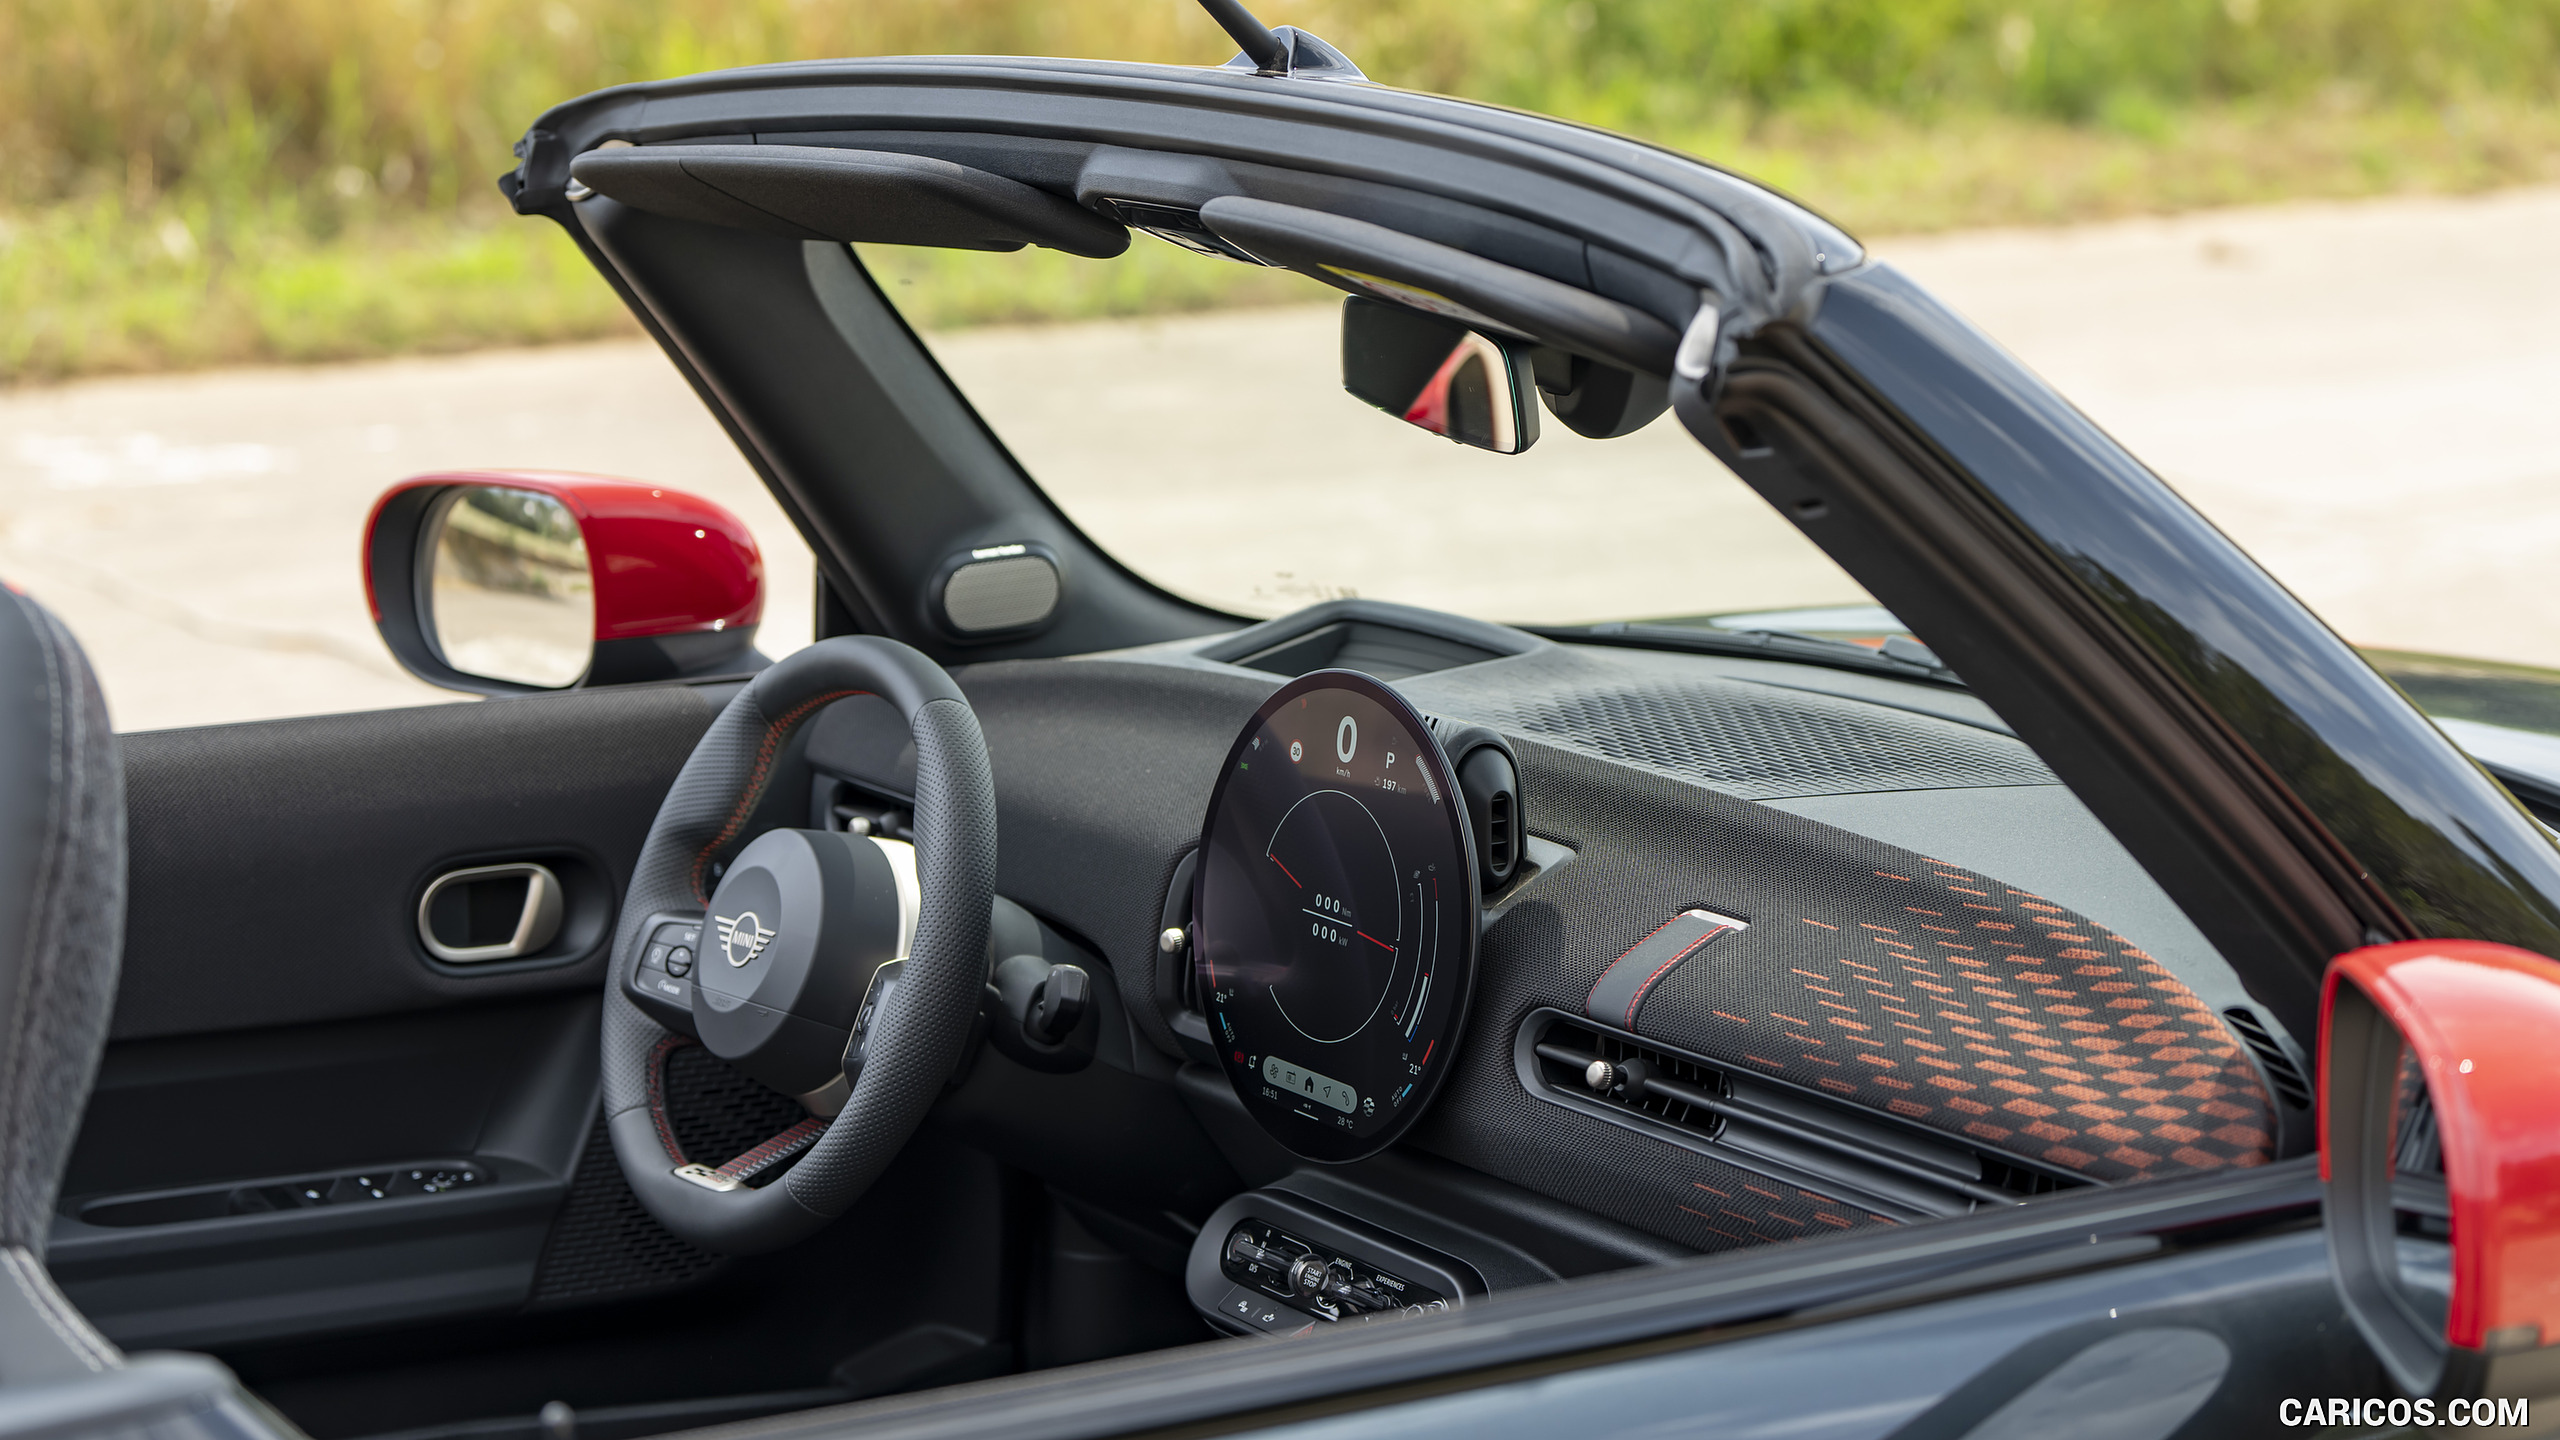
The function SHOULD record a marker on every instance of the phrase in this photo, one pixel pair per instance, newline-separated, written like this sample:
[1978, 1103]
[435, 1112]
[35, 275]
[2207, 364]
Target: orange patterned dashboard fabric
[1966, 1005]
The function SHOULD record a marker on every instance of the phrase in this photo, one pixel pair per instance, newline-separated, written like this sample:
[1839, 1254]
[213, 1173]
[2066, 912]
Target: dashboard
[1788, 951]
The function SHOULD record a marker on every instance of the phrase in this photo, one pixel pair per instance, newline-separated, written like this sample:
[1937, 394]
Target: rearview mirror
[1440, 375]
[2440, 1157]
[506, 582]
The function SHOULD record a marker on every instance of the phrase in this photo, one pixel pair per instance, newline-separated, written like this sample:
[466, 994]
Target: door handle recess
[490, 912]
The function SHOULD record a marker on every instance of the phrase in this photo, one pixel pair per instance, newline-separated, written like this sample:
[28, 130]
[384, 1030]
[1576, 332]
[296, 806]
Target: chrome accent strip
[707, 1177]
[902, 864]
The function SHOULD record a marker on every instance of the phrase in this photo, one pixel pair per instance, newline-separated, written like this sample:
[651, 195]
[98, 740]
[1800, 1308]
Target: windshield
[1188, 414]
[1194, 424]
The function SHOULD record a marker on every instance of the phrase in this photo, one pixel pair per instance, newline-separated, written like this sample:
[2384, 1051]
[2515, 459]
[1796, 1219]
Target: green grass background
[191, 182]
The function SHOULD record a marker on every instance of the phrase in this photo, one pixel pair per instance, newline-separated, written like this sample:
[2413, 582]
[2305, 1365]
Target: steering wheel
[801, 971]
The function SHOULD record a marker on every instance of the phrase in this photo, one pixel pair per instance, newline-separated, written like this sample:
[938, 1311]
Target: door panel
[906, 1290]
[172, 1231]
[282, 1029]
[282, 1037]
[277, 866]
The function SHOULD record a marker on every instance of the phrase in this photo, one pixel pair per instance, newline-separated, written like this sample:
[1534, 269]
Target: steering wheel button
[680, 962]
[655, 957]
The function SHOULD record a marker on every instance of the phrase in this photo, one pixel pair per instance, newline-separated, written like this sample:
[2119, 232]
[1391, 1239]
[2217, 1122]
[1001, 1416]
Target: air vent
[1489, 781]
[1898, 1171]
[2283, 1076]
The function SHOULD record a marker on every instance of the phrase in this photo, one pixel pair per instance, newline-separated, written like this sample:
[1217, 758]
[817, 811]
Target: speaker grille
[1003, 593]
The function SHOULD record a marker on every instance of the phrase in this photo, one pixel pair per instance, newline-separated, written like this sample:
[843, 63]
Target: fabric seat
[62, 896]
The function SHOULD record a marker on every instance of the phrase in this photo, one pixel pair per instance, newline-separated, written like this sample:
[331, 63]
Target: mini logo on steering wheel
[742, 937]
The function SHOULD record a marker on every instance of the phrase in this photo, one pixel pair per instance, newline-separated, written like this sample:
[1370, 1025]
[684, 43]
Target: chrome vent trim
[1874, 1162]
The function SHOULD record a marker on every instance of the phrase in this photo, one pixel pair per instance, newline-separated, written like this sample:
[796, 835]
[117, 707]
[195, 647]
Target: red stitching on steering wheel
[776, 1150]
[775, 732]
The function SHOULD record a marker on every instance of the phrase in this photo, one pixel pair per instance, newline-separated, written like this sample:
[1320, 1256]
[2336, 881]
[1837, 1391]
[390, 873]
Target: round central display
[1334, 924]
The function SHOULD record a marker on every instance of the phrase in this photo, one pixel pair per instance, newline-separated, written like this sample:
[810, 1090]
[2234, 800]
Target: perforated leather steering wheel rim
[912, 1045]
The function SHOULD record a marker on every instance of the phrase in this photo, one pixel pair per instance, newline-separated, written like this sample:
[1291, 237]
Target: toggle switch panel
[1273, 1262]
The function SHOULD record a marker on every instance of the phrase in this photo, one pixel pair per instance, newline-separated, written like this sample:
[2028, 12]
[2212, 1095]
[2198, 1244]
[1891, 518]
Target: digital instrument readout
[1288, 1079]
[1334, 924]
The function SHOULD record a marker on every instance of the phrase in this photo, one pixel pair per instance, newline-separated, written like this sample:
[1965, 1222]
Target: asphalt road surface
[2362, 395]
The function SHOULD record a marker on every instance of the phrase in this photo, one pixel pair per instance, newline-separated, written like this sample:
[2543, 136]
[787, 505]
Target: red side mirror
[2479, 1025]
[505, 582]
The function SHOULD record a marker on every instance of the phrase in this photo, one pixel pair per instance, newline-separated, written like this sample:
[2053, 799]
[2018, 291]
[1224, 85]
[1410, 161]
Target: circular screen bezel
[1453, 975]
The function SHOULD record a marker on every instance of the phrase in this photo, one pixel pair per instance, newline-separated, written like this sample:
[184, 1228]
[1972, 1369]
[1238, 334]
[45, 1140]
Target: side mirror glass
[1439, 374]
[509, 593]
[508, 582]
[2440, 1157]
